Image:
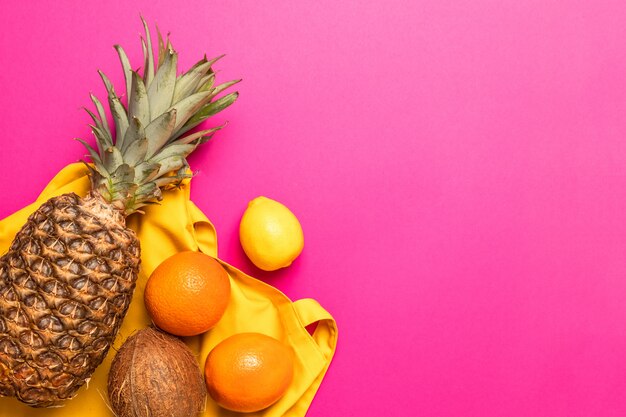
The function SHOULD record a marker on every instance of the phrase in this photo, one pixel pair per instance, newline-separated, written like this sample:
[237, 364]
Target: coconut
[155, 374]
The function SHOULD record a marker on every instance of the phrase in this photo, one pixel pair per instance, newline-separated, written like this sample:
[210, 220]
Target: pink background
[459, 168]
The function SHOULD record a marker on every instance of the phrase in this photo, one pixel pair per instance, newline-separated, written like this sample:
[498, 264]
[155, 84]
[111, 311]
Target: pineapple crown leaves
[152, 137]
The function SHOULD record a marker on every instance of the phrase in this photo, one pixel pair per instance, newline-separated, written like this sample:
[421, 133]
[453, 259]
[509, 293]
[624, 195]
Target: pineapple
[67, 280]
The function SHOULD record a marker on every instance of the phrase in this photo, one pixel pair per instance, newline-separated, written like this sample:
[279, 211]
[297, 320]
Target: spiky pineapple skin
[65, 285]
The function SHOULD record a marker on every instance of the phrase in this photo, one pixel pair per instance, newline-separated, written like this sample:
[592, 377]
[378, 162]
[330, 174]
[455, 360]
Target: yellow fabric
[179, 225]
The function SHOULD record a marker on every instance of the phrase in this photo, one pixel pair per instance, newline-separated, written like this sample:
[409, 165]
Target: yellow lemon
[270, 234]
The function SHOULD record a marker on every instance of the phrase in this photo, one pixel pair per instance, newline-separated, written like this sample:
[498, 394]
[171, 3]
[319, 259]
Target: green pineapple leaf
[119, 113]
[159, 131]
[200, 136]
[136, 152]
[187, 82]
[134, 132]
[95, 159]
[161, 48]
[161, 90]
[188, 106]
[138, 104]
[207, 111]
[112, 159]
[148, 72]
[128, 72]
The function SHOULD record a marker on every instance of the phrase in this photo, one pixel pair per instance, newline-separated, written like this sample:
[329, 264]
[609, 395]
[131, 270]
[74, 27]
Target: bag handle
[204, 231]
[325, 335]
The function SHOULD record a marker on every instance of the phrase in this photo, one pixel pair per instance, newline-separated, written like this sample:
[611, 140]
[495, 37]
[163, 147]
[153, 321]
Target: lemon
[270, 234]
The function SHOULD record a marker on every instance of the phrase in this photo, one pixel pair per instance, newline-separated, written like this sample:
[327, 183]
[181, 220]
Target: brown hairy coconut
[155, 374]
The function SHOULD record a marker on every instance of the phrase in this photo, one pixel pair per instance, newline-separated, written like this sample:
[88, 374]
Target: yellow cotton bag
[177, 225]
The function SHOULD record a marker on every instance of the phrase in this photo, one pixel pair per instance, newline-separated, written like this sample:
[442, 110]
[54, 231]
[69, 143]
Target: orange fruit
[248, 372]
[187, 293]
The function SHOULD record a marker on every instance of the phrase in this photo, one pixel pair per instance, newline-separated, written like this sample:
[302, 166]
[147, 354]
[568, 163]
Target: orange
[187, 293]
[248, 372]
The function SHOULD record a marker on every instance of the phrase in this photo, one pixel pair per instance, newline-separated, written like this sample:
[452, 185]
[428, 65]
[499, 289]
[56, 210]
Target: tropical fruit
[155, 374]
[67, 280]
